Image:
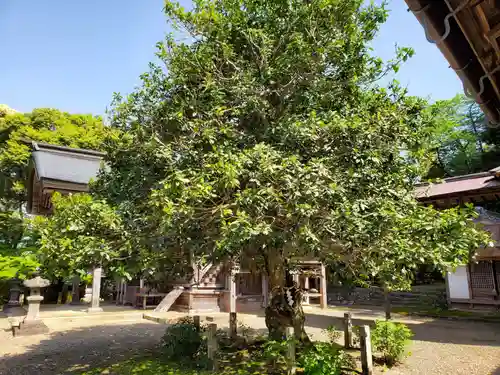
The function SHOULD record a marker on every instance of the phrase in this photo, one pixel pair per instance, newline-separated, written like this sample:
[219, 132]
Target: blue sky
[73, 55]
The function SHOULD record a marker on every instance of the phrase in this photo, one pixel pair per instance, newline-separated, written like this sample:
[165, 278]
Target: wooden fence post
[212, 344]
[348, 338]
[290, 336]
[197, 324]
[366, 350]
[233, 325]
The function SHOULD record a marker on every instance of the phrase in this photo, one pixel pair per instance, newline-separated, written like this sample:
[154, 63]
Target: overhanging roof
[58, 168]
[467, 33]
[66, 164]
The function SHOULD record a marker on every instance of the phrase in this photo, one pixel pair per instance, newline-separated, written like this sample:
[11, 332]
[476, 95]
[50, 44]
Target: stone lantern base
[31, 327]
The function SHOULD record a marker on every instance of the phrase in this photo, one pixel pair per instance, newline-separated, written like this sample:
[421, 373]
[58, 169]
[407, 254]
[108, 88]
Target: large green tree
[264, 137]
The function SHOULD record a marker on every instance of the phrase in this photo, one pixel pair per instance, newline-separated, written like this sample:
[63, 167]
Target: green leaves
[81, 233]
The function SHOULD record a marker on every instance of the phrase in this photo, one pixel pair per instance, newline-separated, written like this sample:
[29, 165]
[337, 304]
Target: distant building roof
[481, 186]
[58, 168]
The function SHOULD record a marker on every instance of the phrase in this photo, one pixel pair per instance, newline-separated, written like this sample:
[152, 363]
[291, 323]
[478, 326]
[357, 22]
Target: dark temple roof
[467, 32]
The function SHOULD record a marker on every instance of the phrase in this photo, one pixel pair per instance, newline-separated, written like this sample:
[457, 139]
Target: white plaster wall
[458, 283]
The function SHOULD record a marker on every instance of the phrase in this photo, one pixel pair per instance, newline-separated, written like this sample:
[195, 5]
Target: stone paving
[78, 342]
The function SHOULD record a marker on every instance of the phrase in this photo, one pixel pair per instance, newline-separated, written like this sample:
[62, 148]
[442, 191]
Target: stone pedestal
[34, 307]
[96, 290]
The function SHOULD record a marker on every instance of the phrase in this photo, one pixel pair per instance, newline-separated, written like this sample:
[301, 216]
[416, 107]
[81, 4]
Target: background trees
[17, 130]
[462, 142]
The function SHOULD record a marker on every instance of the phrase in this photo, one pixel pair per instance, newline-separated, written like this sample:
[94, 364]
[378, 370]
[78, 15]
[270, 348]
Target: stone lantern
[14, 293]
[35, 298]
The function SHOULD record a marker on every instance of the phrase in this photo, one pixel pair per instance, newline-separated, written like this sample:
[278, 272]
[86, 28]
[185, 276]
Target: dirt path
[439, 347]
[73, 347]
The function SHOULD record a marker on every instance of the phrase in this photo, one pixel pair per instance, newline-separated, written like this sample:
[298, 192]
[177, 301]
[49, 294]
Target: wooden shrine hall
[476, 283]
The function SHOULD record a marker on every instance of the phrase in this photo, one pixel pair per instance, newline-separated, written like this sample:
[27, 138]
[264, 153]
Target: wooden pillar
[387, 304]
[233, 325]
[212, 344]
[197, 322]
[232, 290]
[123, 287]
[366, 350]
[265, 290]
[75, 291]
[348, 337]
[118, 290]
[290, 336]
[96, 290]
[323, 299]
[306, 287]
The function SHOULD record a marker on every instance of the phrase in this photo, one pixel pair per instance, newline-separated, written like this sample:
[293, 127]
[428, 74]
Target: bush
[325, 359]
[391, 340]
[333, 334]
[183, 341]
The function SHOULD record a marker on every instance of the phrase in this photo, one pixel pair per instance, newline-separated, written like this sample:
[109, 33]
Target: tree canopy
[264, 136]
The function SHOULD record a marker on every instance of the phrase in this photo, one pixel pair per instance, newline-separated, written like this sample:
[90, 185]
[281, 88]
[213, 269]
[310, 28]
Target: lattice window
[481, 277]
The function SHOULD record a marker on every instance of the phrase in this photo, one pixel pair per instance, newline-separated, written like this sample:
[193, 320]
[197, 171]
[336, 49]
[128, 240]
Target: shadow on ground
[460, 332]
[438, 330]
[78, 350]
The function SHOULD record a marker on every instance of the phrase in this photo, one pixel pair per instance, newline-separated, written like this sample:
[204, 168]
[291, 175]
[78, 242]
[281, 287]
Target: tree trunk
[285, 310]
[387, 304]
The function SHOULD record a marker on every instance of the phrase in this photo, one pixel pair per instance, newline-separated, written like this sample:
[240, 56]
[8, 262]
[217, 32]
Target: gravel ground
[439, 347]
[451, 347]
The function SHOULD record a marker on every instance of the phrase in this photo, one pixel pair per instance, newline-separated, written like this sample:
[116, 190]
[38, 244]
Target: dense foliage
[82, 233]
[264, 137]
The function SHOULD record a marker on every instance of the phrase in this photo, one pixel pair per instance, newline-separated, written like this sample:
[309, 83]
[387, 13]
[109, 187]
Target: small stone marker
[212, 344]
[290, 336]
[366, 350]
[233, 325]
[348, 337]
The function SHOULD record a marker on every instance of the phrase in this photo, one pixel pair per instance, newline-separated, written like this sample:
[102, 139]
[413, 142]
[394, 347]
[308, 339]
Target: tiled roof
[477, 182]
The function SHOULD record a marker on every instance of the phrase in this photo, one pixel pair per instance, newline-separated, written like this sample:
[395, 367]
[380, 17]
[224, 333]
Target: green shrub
[183, 341]
[333, 334]
[391, 340]
[325, 359]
